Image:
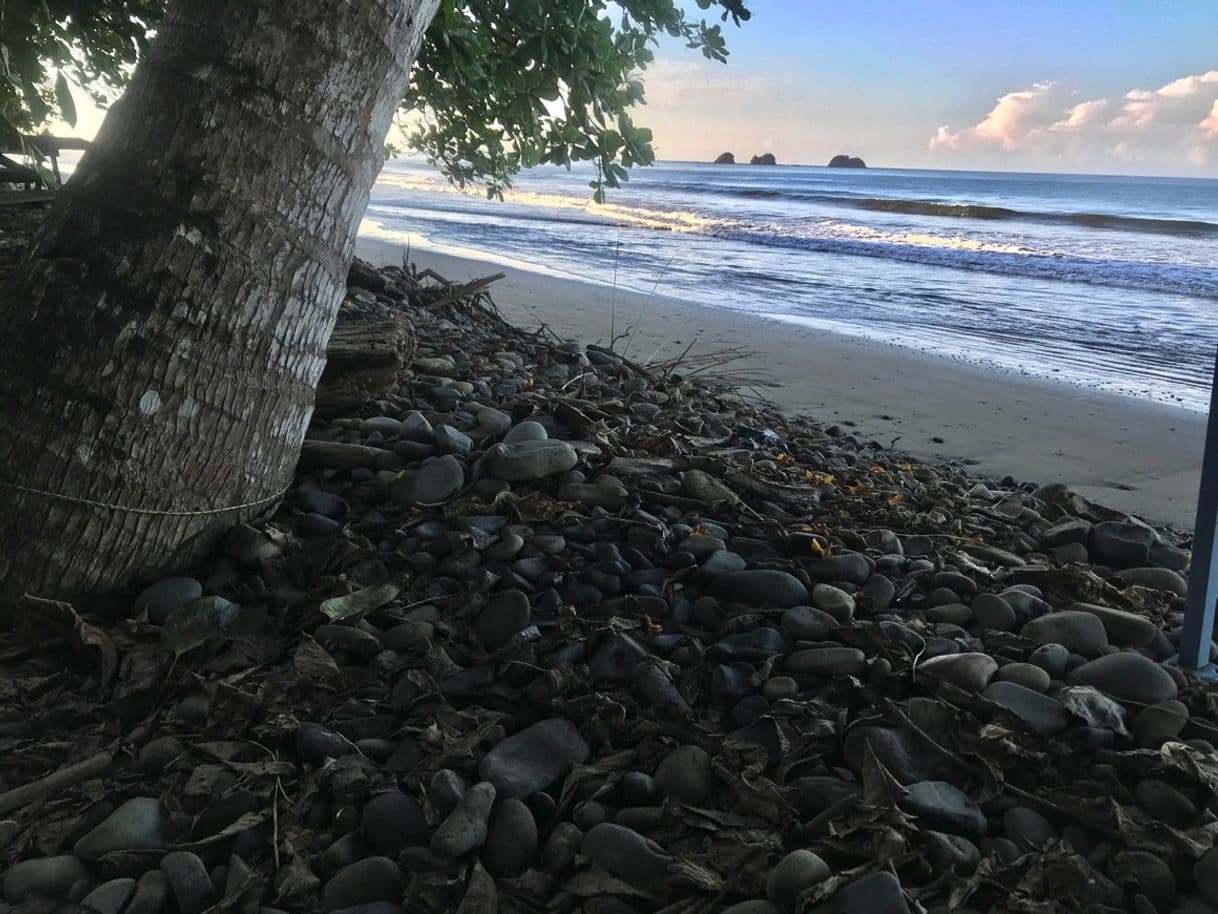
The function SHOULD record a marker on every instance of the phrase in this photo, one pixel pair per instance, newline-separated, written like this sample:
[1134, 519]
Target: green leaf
[359, 602]
[197, 622]
[63, 95]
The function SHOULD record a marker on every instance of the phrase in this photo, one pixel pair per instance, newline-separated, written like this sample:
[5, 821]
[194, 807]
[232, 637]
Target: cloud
[1174, 124]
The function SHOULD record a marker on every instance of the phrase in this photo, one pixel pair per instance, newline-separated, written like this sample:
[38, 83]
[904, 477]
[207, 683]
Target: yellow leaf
[818, 548]
[894, 500]
[904, 467]
[878, 471]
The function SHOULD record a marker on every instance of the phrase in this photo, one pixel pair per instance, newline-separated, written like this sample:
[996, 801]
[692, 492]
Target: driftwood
[364, 361]
[55, 782]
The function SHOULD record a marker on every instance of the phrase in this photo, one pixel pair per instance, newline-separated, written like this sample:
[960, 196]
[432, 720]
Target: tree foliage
[498, 86]
[46, 43]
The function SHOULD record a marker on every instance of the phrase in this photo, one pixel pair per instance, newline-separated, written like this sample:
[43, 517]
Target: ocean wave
[946, 209]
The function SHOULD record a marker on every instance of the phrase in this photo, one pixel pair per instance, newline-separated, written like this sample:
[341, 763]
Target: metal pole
[1198, 630]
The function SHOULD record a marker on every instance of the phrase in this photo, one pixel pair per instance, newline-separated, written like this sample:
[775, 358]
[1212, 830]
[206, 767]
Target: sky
[1091, 86]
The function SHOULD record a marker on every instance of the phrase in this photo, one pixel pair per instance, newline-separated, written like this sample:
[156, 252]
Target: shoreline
[1140, 457]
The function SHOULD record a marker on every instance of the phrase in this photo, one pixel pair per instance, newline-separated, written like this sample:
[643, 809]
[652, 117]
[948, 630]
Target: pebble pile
[546, 630]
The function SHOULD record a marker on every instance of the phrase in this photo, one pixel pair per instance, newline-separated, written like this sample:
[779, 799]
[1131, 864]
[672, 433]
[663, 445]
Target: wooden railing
[30, 184]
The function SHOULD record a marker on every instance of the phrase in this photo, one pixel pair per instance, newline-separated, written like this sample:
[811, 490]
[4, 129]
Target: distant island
[766, 158]
[844, 161]
[725, 158]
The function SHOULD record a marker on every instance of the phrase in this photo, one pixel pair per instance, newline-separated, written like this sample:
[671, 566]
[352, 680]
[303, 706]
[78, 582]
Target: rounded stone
[1026, 827]
[528, 460]
[465, 828]
[435, 482]
[1027, 675]
[526, 431]
[833, 600]
[1157, 723]
[1165, 803]
[1052, 658]
[969, 671]
[393, 820]
[1078, 631]
[685, 775]
[629, 856]
[163, 597]
[828, 661]
[780, 687]
[364, 882]
[794, 873]
[139, 824]
[804, 623]
[1127, 676]
[49, 876]
[991, 611]
[502, 618]
[762, 587]
[511, 839]
[188, 880]
[109, 897]
[561, 847]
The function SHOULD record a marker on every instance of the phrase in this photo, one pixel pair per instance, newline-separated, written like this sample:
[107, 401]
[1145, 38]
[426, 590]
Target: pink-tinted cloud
[1177, 122]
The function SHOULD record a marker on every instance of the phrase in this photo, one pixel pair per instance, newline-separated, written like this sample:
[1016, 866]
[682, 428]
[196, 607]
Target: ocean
[1107, 283]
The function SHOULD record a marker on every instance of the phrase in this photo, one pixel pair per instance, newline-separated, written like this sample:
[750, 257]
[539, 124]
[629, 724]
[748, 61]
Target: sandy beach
[1139, 457]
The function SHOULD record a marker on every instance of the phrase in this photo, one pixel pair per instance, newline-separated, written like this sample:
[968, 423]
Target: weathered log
[364, 361]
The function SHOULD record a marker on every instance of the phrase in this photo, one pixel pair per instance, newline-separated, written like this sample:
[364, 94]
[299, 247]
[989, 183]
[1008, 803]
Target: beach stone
[1026, 827]
[1122, 545]
[1078, 631]
[880, 591]
[416, 428]
[1123, 628]
[777, 688]
[1205, 872]
[827, 661]
[616, 657]
[797, 871]
[526, 431]
[755, 906]
[803, 623]
[317, 743]
[1127, 676]
[326, 504]
[949, 853]
[363, 882]
[393, 820]
[189, 882]
[850, 567]
[511, 839]
[721, 563]
[1159, 722]
[1145, 873]
[528, 460]
[701, 546]
[493, 421]
[1042, 713]
[502, 618]
[465, 827]
[49, 876]
[762, 587]
[758, 644]
[1027, 675]
[385, 426]
[156, 754]
[139, 824]
[151, 894]
[685, 775]
[1068, 532]
[1052, 658]
[533, 758]
[950, 613]
[1165, 803]
[900, 751]
[109, 897]
[969, 671]
[943, 807]
[653, 681]
[163, 597]
[452, 440]
[561, 847]
[991, 611]
[629, 856]
[1155, 579]
[877, 893]
[435, 482]
[834, 601]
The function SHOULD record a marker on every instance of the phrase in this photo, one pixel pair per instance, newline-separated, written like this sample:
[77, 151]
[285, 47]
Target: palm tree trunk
[164, 334]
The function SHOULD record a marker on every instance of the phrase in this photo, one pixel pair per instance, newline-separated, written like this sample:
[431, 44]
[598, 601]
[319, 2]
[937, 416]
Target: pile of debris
[542, 629]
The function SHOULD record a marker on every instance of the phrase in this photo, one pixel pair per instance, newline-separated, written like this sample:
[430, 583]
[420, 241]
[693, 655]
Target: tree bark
[165, 333]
